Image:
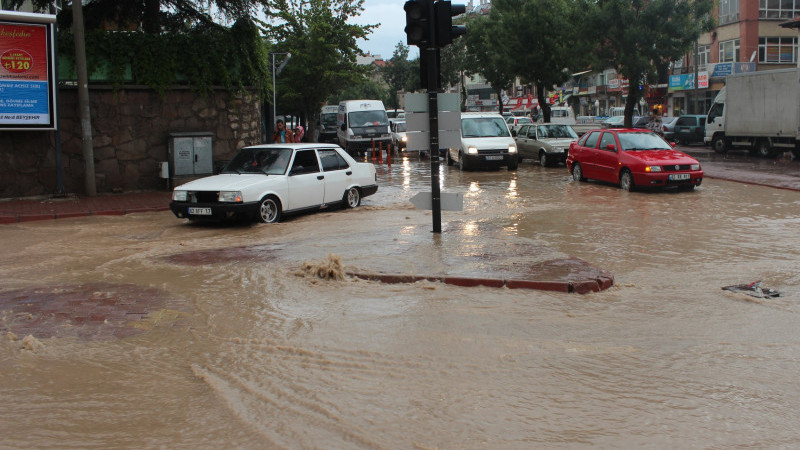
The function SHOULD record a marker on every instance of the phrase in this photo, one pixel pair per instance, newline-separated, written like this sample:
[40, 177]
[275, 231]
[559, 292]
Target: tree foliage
[150, 16]
[639, 36]
[323, 46]
[235, 58]
[544, 41]
[454, 63]
[400, 74]
[484, 38]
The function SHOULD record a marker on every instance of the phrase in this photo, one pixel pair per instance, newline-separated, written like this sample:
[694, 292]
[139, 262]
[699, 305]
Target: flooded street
[213, 336]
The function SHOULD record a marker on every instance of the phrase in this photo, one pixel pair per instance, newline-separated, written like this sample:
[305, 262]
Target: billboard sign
[27, 71]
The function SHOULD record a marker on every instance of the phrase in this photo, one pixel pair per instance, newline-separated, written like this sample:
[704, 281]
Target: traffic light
[445, 30]
[418, 22]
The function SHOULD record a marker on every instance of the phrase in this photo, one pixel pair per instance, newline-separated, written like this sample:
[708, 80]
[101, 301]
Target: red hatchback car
[632, 158]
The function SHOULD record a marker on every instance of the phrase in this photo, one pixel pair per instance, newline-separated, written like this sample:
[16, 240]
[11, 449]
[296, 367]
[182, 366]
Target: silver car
[547, 143]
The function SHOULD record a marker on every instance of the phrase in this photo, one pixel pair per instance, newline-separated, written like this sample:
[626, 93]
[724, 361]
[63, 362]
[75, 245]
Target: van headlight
[230, 196]
[512, 148]
[472, 150]
[404, 139]
[179, 196]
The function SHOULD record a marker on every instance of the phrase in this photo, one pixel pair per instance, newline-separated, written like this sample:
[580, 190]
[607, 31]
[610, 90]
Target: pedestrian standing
[281, 134]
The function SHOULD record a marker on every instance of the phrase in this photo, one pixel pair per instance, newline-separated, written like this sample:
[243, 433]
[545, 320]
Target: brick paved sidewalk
[24, 210]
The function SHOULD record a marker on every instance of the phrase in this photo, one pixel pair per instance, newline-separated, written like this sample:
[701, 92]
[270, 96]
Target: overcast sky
[390, 14]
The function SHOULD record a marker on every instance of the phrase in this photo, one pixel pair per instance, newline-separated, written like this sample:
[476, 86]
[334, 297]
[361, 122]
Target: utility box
[190, 154]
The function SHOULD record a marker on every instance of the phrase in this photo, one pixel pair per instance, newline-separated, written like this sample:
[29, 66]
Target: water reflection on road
[252, 353]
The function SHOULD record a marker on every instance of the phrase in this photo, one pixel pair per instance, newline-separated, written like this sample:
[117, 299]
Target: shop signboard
[722, 70]
[27, 71]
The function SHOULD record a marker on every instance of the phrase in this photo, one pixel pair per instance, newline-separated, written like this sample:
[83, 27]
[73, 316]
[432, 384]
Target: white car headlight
[230, 196]
[512, 148]
[695, 166]
[652, 169]
[179, 196]
[472, 150]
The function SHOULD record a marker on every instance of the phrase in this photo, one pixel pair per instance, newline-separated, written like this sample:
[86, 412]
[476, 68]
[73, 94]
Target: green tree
[400, 74]
[366, 88]
[150, 16]
[323, 46]
[483, 41]
[454, 63]
[639, 36]
[543, 41]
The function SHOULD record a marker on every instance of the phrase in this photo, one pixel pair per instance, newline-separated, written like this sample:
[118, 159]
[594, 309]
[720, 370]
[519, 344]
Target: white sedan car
[267, 181]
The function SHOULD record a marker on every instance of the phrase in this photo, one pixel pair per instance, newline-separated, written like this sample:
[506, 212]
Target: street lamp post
[274, 74]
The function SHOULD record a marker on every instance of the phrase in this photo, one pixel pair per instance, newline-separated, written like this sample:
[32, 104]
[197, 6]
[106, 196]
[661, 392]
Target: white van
[362, 124]
[486, 143]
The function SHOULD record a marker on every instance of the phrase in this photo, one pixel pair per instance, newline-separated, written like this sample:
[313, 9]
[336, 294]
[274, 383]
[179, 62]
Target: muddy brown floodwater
[144, 331]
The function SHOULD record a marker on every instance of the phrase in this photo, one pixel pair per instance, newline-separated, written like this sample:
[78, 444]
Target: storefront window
[777, 9]
[777, 50]
[729, 51]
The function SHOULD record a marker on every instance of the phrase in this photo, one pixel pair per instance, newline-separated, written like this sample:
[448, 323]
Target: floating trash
[753, 289]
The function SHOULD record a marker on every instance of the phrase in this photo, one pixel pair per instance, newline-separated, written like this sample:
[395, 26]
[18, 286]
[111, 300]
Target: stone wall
[130, 130]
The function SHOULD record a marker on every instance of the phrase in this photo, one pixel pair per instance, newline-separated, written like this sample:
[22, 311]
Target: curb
[19, 218]
[579, 287]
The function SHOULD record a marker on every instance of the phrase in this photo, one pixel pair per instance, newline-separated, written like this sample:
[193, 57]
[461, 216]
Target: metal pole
[83, 98]
[274, 98]
[57, 135]
[696, 109]
[432, 55]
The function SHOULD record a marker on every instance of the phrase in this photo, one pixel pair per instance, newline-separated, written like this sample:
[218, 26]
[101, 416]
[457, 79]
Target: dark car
[690, 128]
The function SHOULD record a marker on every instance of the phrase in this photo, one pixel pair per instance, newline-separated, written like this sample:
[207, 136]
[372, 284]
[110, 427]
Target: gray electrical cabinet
[190, 154]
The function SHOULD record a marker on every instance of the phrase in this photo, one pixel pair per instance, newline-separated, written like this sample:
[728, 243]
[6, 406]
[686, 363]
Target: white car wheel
[269, 210]
[352, 198]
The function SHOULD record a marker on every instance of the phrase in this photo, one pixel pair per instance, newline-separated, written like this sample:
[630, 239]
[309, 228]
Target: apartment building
[748, 38]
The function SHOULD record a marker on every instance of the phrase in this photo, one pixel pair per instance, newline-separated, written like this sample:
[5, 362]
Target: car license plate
[683, 130]
[679, 176]
[200, 211]
[494, 157]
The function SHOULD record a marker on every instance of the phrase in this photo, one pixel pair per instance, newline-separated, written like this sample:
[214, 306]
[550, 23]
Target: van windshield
[328, 119]
[368, 118]
[484, 127]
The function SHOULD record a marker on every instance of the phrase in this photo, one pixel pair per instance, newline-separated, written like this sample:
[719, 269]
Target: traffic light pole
[429, 25]
[432, 57]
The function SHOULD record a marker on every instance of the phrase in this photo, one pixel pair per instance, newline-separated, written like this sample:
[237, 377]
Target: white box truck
[758, 111]
[362, 124]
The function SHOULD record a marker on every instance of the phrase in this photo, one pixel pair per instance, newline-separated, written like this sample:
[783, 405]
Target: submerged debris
[753, 289]
[31, 343]
[328, 269]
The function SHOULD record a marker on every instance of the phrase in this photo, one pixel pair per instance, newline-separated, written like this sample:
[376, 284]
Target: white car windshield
[556, 131]
[269, 161]
[484, 127]
[368, 118]
[642, 141]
